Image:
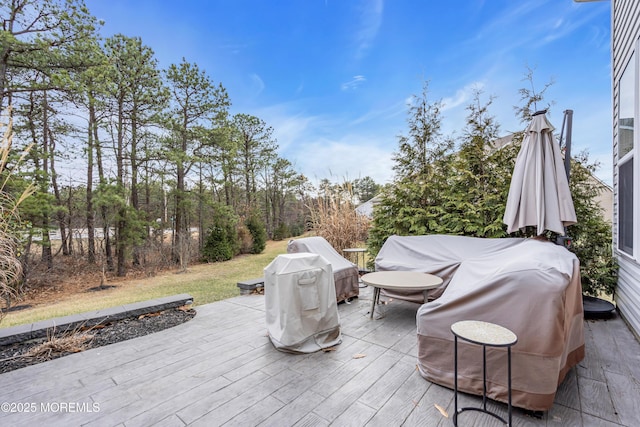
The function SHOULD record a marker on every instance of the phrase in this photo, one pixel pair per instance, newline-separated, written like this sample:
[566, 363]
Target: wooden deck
[221, 369]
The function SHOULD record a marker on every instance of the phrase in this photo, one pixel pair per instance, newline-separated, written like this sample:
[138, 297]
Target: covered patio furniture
[300, 303]
[345, 273]
[529, 286]
[539, 194]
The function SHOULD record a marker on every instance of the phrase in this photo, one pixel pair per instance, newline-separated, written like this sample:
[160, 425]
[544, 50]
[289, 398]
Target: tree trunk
[200, 212]
[106, 235]
[121, 224]
[135, 203]
[91, 244]
[68, 217]
[47, 255]
[181, 225]
[64, 238]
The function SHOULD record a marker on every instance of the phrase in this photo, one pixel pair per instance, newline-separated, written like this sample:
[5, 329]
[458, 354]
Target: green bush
[281, 232]
[592, 235]
[258, 233]
[221, 243]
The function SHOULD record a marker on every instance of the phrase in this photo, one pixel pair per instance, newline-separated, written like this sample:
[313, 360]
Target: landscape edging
[43, 328]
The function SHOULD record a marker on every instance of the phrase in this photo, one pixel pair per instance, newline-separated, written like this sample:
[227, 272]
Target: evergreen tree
[365, 188]
[41, 36]
[195, 103]
[475, 202]
[413, 203]
[222, 243]
[258, 233]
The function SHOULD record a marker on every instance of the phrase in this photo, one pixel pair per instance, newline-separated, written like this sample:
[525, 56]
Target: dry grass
[10, 266]
[54, 346]
[334, 217]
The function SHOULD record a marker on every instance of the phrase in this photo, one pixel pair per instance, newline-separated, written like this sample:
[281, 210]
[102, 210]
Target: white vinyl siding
[625, 45]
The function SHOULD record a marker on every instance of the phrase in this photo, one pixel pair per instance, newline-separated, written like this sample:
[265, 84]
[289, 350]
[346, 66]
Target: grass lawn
[205, 282]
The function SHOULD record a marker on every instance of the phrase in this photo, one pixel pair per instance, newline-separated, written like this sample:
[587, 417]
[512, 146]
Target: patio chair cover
[436, 254]
[300, 301]
[529, 286]
[345, 273]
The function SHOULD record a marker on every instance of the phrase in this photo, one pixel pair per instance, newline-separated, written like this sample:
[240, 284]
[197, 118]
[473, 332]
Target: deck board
[220, 368]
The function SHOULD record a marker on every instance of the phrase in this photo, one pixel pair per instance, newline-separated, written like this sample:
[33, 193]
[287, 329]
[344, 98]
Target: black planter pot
[597, 308]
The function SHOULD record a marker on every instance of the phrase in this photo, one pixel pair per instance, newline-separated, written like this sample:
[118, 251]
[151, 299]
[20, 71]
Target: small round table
[400, 280]
[487, 335]
[357, 251]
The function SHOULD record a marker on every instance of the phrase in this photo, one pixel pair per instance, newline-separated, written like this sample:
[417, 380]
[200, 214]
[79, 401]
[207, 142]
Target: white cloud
[291, 126]
[257, 83]
[461, 97]
[322, 146]
[354, 83]
[504, 21]
[384, 113]
[370, 21]
[346, 158]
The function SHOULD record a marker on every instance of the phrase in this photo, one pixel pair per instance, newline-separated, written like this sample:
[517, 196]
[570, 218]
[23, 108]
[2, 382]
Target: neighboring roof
[366, 208]
[503, 141]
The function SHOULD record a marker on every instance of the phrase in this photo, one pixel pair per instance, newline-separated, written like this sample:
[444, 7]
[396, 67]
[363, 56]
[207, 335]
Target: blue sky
[333, 77]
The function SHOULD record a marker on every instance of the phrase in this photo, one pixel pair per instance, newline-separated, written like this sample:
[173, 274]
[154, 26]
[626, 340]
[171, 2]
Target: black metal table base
[483, 409]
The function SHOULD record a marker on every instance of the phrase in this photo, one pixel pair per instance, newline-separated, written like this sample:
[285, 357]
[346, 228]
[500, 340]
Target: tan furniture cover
[529, 286]
[345, 273]
[539, 192]
[300, 303]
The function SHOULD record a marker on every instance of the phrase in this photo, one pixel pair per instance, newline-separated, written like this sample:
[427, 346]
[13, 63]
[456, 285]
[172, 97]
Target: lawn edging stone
[41, 329]
[248, 286]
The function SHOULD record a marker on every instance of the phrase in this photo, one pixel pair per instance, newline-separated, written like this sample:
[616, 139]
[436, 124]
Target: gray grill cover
[300, 299]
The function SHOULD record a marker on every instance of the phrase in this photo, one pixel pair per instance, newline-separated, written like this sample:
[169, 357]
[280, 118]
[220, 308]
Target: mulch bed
[15, 356]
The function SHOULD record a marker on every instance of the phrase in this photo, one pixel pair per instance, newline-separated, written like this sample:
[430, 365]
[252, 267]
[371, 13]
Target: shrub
[258, 233]
[281, 232]
[10, 265]
[334, 217]
[221, 243]
[244, 239]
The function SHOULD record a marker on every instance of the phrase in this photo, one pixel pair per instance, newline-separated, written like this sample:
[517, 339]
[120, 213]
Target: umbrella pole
[568, 121]
[568, 117]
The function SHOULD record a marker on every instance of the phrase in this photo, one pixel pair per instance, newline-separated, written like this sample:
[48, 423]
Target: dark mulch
[14, 356]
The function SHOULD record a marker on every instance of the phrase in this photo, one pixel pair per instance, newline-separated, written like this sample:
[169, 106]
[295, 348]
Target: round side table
[487, 335]
[358, 252]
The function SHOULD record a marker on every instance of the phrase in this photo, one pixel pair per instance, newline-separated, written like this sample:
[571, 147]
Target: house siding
[625, 33]
[627, 295]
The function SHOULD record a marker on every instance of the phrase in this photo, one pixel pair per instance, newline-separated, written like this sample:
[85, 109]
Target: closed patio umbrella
[539, 194]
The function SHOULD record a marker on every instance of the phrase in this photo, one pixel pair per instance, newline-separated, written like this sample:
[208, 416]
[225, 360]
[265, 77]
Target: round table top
[406, 280]
[354, 250]
[479, 332]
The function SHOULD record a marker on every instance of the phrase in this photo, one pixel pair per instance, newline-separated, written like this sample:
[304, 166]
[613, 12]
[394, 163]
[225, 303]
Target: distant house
[366, 208]
[625, 45]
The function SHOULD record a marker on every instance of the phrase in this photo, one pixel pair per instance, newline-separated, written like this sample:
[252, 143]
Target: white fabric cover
[300, 301]
[345, 273]
[539, 193]
[529, 286]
